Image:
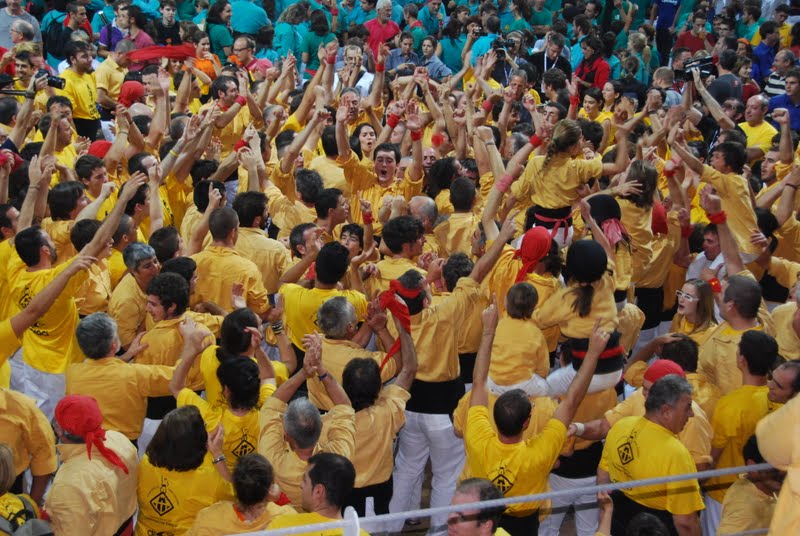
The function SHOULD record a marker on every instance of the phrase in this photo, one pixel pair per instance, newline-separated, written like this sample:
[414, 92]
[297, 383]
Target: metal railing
[351, 523]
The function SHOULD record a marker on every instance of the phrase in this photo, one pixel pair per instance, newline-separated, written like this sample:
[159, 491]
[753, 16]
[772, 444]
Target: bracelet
[220, 458]
[30, 94]
[504, 183]
[331, 60]
[123, 132]
[719, 218]
[580, 428]
[416, 135]
[536, 141]
[380, 67]
[368, 218]
[323, 376]
[575, 100]
[173, 153]
[487, 106]
[335, 12]
[277, 327]
[392, 121]
[241, 100]
[716, 286]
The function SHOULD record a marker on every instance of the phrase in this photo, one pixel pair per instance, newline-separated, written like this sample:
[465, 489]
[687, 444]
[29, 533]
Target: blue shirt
[429, 20]
[396, 58]
[783, 101]
[247, 17]
[97, 21]
[482, 46]
[436, 69]
[763, 56]
[576, 54]
[667, 10]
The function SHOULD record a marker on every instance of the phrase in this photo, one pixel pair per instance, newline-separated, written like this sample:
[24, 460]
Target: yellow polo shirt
[759, 136]
[788, 341]
[554, 186]
[301, 305]
[332, 175]
[222, 518]
[311, 518]
[519, 351]
[455, 233]
[26, 430]
[128, 307]
[287, 213]
[116, 267]
[388, 269]
[110, 76]
[735, 194]
[745, 508]
[218, 268]
[95, 292]
[270, 256]
[81, 90]
[59, 231]
[717, 358]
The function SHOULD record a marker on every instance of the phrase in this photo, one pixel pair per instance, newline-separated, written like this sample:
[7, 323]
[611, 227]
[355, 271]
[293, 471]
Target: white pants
[534, 386]
[423, 436]
[710, 516]
[44, 388]
[586, 511]
[560, 380]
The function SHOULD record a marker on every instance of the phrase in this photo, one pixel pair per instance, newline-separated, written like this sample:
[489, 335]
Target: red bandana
[399, 310]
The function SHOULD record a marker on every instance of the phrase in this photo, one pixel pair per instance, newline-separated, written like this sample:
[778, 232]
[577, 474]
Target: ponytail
[583, 300]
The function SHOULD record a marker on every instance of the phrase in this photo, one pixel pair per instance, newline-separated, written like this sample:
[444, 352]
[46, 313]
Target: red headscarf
[398, 309]
[99, 148]
[80, 416]
[661, 368]
[130, 92]
[534, 247]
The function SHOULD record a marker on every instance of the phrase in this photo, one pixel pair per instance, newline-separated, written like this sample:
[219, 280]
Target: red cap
[99, 148]
[661, 368]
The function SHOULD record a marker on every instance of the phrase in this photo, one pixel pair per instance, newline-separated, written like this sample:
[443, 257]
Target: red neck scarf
[80, 416]
[399, 310]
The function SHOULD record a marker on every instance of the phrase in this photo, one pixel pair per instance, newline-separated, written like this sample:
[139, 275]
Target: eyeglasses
[687, 297]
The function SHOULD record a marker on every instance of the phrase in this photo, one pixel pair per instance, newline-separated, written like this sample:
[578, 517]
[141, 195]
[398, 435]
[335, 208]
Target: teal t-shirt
[541, 18]
[310, 45]
[220, 37]
[451, 52]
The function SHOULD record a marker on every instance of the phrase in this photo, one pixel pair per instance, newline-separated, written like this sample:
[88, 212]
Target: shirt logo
[502, 481]
[625, 453]
[244, 447]
[161, 502]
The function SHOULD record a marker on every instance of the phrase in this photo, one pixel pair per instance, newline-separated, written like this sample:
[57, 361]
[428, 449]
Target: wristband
[368, 218]
[792, 186]
[241, 144]
[241, 100]
[669, 173]
[487, 106]
[416, 135]
[392, 121]
[437, 139]
[220, 458]
[335, 12]
[331, 60]
[173, 153]
[686, 232]
[580, 428]
[575, 100]
[277, 327]
[716, 286]
[380, 67]
[323, 376]
[536, 141]
[504, 183]
[719, 218]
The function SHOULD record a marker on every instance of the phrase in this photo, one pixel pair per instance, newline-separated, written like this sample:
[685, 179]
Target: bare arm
[195, 340]
[408, 354]
[577, 389]
[785, 149]
[730, 251]
[479, 396]
[486, 262]
[788, 194]
[714, 108]
[109, 226]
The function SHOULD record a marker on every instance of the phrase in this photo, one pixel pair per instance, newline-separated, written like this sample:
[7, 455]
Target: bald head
[424, 209]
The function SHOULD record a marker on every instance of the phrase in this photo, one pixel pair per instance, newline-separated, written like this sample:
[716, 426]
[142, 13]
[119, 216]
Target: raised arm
[479, 396]
[785, 149]
[195, 340]
[712, 204]
[102, 237]
[486, 262]
[678, 144]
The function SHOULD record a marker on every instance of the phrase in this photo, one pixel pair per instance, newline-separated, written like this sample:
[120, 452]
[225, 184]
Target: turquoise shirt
[451, 52]
[220, 37]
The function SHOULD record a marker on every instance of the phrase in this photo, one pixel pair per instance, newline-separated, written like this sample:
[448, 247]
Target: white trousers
[46, 389]
[426, 436]
[710, 516]
[586, 511]
[560, 380]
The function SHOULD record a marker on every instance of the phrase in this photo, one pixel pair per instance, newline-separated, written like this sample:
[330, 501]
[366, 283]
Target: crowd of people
[262, 262]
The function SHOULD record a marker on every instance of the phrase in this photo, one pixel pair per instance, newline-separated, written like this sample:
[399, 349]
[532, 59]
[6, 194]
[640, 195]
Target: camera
[52, 81]
[705, 65]
[479, 32]
[499, 44]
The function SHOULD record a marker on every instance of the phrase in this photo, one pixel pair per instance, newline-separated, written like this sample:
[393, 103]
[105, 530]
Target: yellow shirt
[106, 207]
[336, 354]
[221, 518]
[218, 268]
[778, 440]
[95, 292]
[637, 221]
[332, 175]
[364, 184]
[376, 428]
[735, 419]
[190, 221]
[170, 500]
[9, 344]
[785, 272]
[695, 436]
[631, 320]
[301, 305]
[515, 469]
[81, 90]
[389, 268]
[270, 256]
[287, 213]
[338, 437]
[128, 307]
[121, 390]
[759, 136]
[49, 345]
[93, 496]
[456, 232]
[542, 409]
[241, 431]
[233, 131]
[116, 267]
[558, 310]
[664, 248]
[788, 341]
[555, 186]
[705, 394]
[519, 351]
[110, 76]
[7, 251]
[311, 518]
[637, 448]
[717, 358]
[26, 430]
[59, 231]
[788, 236]
[745, 508]
[209, 363]
[66, 157]
[681, 325]
[735, 194]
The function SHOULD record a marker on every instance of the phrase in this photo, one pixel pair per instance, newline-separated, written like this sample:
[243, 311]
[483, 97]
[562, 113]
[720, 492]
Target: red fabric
[131, 91]
[719, 218]
[173, 52]
[605, 354]
[99, 148]
[692, 42]
[658, 223]
[661, 368]
[613, 230]
[380, 33]
[596, 71]
[398, 309]
[80, 416]
[535, 246]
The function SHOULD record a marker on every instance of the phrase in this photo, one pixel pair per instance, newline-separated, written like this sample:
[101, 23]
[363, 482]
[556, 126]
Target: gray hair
[302, 423]
[383, 3]
[135, 253]
[334, 316]
[427, 208]
[96, 335]
[125, 46]
[25, 28]
[667, 391]
[518, 141]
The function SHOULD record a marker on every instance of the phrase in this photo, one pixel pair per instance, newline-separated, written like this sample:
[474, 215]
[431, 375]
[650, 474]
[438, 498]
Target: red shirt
[694, 43]
[380, 33]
